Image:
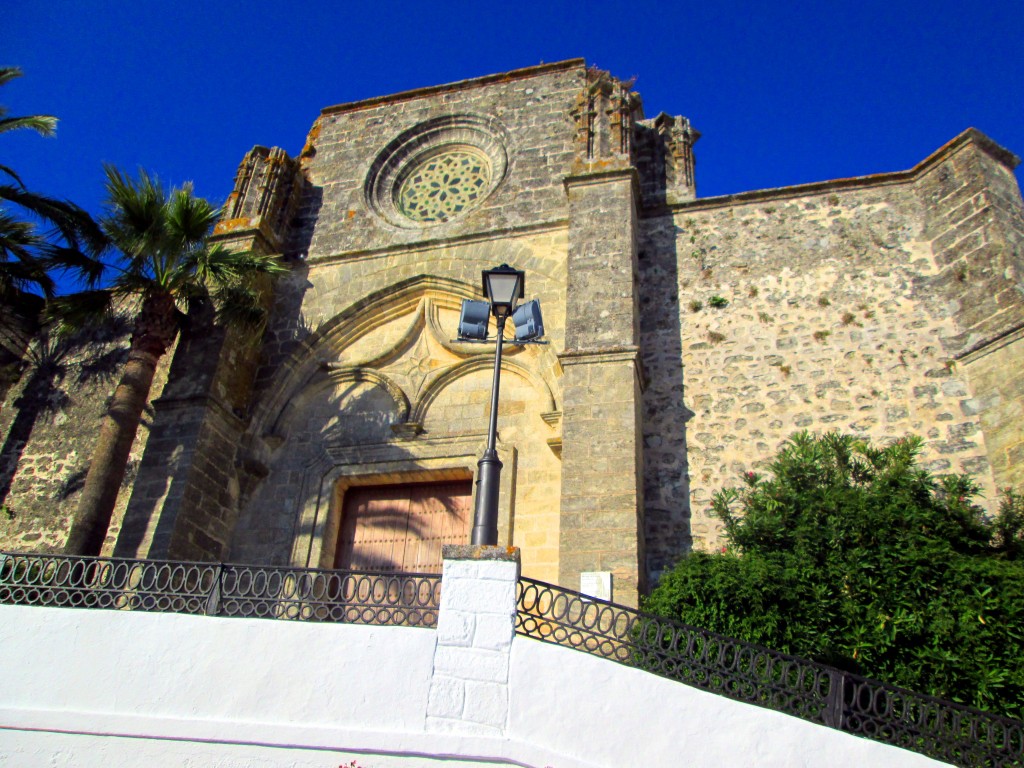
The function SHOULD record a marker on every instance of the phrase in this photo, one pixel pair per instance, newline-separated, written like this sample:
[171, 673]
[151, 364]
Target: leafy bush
[855, 556]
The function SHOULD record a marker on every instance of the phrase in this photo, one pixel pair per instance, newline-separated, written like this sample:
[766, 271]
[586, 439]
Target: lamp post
[503, 286]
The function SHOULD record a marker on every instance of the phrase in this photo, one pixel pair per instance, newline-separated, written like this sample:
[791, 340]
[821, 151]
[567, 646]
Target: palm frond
[70, 221]
[15, 233]
[9, 73]
[23, 277]
[44, 125]
[163, 239]
[239, 305]
[222, 267]
[135, 220]
[20, 270]
[190, 218]
[8, 171]
[72, 263]
[131, 282]
[78, 310]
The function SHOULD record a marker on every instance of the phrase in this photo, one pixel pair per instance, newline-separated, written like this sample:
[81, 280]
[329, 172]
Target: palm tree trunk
[155, 329]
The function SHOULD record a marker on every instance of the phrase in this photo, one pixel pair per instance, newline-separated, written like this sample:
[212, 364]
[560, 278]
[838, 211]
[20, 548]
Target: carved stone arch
[356, 320]
[374, 309]
[341, 375]
[422, 405]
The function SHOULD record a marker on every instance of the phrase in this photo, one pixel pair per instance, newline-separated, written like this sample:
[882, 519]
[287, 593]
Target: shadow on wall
[294, 501]
[50, 359]
[666, 473]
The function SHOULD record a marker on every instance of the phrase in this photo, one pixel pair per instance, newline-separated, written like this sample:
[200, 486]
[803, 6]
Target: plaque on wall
[596, 584]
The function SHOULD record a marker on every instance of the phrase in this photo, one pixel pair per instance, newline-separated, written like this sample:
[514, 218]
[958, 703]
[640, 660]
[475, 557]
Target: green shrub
[855, 556]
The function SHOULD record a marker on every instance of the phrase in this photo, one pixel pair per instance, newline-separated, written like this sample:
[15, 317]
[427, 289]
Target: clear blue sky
[784, 92]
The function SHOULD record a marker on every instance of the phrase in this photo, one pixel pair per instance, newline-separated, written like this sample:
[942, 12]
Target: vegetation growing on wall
[855, 556]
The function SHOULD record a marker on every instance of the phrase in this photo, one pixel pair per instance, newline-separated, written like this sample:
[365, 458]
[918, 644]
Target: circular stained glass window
[444, 185]
[437, 171]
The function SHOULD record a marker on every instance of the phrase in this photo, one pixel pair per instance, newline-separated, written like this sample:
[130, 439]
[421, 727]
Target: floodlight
[473, 320]
[528, 321]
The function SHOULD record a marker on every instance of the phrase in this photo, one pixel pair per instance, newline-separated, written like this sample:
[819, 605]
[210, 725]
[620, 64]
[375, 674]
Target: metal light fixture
[473, 319]
[503, 286]
[528, 322]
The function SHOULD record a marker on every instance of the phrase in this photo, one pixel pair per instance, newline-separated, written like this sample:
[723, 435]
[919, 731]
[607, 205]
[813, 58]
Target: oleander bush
[856, 556]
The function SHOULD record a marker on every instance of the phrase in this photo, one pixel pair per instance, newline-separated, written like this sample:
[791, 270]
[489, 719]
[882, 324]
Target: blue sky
[784, 92]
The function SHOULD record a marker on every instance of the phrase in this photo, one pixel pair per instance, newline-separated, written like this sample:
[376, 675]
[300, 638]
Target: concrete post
[475, 627]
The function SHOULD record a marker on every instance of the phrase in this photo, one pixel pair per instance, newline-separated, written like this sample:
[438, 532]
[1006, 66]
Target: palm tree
[27, 257]
[166, 266]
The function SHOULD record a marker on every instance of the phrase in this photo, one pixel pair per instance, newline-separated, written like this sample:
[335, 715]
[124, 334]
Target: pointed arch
[342, 374]
[355, 321]
[480, 363]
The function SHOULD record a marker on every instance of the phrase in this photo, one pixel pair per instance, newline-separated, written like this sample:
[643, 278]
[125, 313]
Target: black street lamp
[503, 287]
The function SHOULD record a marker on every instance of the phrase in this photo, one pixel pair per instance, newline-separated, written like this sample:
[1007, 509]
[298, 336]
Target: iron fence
[750, 673]
[218, 589]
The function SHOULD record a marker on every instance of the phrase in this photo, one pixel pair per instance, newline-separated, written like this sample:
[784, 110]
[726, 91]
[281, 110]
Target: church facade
[688, 338]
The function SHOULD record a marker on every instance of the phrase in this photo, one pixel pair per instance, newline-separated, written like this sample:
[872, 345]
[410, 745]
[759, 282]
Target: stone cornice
[972, 136]
[629, 354]
[987, 346]
[460, 85]
[442, 242]
[589, 178]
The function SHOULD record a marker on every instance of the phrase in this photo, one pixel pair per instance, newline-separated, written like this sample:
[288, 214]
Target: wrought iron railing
[750, 673]
[218, 589]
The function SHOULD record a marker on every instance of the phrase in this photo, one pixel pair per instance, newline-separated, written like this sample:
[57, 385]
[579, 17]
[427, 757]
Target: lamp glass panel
[502, 287]
[528, 321]
[473, 319]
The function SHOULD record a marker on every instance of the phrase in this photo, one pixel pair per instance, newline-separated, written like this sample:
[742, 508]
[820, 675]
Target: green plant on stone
[695, 305]
[718, 302]
[820, 336]
[699, 253]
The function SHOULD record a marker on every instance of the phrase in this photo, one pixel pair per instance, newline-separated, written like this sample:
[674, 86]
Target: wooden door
[402, 527]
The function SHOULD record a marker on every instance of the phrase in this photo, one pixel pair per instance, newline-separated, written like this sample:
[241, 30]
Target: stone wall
[527, 111]
[360, 382]
[844, 306]
[375, 390]
[49, 423]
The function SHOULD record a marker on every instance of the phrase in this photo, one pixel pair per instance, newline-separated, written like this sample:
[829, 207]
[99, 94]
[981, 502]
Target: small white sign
[596, 584]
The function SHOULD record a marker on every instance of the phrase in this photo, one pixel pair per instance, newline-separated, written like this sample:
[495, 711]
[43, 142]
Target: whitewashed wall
[104, 689]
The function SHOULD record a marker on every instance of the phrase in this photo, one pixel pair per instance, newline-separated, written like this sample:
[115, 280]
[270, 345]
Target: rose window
[437, 171]
[444, 185]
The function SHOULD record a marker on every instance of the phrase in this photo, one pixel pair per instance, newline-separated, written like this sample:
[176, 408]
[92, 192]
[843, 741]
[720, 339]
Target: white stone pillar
[469, 686]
